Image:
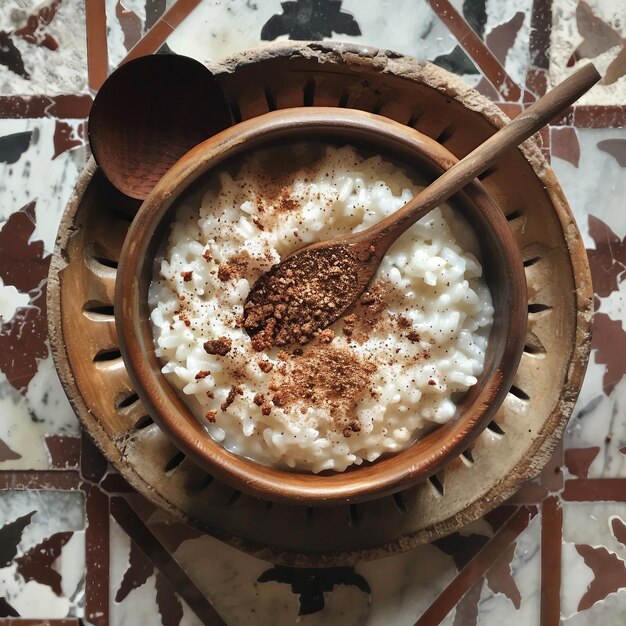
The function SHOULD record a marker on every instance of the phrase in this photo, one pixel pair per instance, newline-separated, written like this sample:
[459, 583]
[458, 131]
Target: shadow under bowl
[503, 271]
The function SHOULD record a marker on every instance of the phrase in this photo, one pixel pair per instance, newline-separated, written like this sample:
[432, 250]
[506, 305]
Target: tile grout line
[595, 490]
[539, 41]
[68, 106]
[21, 621]
[51, 480]
[97, 556]
[77, 106]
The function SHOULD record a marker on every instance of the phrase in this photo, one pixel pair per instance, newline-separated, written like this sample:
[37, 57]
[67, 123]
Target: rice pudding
[375, 380]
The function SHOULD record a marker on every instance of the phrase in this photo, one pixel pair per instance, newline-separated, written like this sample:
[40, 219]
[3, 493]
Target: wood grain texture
[144, 119]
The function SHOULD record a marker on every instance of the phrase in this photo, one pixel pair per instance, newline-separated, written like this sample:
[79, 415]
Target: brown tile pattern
[550, 580]
[540, 29]
[162, 559]
[59, 107]
[97, 556]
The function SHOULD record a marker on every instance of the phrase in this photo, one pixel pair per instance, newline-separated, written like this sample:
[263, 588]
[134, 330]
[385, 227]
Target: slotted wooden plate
[516, 445]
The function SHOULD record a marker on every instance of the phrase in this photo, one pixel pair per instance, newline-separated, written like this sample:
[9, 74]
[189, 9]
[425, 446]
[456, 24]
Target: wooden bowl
[504, 274]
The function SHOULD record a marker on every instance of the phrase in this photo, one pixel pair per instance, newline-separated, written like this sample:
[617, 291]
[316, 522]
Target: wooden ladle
[316, 284]
[150, 112]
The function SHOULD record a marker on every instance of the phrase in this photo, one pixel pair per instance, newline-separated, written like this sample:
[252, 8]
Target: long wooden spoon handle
[515, 132]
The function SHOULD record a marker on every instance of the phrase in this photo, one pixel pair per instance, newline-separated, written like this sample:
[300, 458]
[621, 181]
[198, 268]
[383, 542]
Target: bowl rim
[383, 477]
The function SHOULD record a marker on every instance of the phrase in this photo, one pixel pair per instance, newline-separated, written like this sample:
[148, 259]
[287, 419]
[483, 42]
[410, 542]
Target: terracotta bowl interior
[501, 261]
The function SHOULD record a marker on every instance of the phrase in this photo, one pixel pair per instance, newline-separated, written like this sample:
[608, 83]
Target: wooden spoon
[314, 285]
[150, 112]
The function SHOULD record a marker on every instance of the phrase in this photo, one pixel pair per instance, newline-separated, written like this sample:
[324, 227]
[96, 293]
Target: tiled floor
[76, 546]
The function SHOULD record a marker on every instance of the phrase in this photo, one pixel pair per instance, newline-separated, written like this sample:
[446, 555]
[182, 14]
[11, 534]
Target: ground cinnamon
[327, 377]
[235, 267]
[298, 300]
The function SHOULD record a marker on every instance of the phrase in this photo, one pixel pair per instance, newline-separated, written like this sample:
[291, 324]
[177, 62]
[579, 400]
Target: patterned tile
[138, 592]
[40, 160]
[216, 29]
[75, 543]
[42, 553]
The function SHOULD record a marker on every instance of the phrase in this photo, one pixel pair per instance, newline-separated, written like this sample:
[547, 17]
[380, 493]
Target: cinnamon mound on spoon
[304, 295]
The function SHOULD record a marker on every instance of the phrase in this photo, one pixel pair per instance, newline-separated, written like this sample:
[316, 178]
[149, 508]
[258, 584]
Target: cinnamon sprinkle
[326, 336]
[265, 366]
[235, 267]
[324, 376]
[353, 427]
[367, 314]
[219, 346]
[230, 398]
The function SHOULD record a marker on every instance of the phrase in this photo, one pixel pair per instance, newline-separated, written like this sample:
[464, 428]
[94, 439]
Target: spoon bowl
[150, 112]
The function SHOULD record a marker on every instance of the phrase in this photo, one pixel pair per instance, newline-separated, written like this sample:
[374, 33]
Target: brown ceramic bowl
[503, 271]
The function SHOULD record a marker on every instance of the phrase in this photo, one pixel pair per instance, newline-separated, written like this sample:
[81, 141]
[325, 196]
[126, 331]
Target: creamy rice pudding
[370, 384]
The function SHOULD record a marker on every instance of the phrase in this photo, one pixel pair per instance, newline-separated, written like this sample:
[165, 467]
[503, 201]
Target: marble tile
[43, 169]
[583, 192]
[593, 562]
[611, 611]
[516, 598]
[576, 581]
[505, 19]
[595, 523]
[39, 162]
[39, 165]
[139, 593]
[598, 420]
[52, 59]
[505, 28]
[508, 590]
[42, 534]
[590, 30]
[401, 588]
[125, 26]
[247, 590]
[216, 29]
[22, 430]
[127, 22]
